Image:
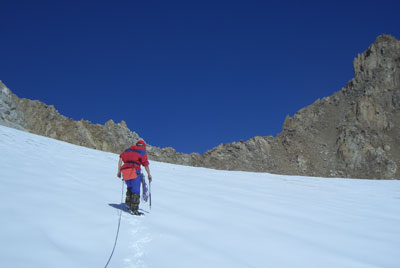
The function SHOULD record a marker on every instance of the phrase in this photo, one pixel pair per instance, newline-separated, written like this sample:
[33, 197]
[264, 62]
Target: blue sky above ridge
[186, 74]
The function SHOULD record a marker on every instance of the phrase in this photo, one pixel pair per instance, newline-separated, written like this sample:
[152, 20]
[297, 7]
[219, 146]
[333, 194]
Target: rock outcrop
[9, 115]
[353, 133]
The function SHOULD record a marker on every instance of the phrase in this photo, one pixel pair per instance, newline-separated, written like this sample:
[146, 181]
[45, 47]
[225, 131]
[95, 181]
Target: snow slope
[59, 208]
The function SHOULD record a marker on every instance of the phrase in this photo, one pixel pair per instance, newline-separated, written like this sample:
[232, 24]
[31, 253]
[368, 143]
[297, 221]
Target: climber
[133, 158]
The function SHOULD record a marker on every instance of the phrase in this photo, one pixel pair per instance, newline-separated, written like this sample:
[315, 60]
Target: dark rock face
[353, 133]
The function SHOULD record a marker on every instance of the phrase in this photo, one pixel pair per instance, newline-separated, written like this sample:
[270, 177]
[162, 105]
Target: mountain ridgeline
[353, 133]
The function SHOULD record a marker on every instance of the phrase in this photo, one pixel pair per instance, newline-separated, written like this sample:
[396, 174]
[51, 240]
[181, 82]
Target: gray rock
[9, 115]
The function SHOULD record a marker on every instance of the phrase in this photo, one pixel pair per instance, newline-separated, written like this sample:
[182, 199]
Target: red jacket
[134, 156]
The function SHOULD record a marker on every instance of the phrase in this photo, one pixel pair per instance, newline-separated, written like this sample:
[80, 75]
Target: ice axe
[150, 193]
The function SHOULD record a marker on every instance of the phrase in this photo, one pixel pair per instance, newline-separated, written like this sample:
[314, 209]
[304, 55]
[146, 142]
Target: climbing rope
[119, 223]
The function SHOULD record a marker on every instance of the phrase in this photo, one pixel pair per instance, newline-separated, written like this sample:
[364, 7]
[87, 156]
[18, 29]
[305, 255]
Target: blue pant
[134, 185]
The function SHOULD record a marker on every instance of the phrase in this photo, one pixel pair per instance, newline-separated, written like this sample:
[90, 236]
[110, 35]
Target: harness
[133, 163]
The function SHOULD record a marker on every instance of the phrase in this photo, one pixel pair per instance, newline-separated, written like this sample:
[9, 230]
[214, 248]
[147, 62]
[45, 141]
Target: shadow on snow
[123, 208]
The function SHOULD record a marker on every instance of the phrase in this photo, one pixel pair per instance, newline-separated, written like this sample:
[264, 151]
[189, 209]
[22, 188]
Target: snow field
[59, 208]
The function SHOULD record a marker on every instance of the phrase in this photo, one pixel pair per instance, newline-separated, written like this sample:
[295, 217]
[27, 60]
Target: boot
[128, 198]
[135, 200]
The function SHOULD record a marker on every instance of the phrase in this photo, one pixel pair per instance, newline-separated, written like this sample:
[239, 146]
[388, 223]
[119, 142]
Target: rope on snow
[119, 223]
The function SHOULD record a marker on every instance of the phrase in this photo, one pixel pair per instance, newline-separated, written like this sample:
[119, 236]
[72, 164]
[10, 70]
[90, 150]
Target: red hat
[141, 142]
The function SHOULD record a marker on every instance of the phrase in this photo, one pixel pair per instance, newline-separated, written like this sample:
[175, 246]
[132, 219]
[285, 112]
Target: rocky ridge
[38, 118]
[353, 133]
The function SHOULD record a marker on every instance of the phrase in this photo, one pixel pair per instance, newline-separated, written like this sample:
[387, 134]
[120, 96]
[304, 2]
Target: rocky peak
[379, 64]
[352, 133]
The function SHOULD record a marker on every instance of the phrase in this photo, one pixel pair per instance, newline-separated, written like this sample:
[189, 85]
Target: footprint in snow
[140, 237]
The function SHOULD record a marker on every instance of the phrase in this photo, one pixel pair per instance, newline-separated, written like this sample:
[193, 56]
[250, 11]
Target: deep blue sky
[186, 74]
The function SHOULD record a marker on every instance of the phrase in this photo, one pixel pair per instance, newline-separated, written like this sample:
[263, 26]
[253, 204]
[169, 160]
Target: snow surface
[59, 207]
